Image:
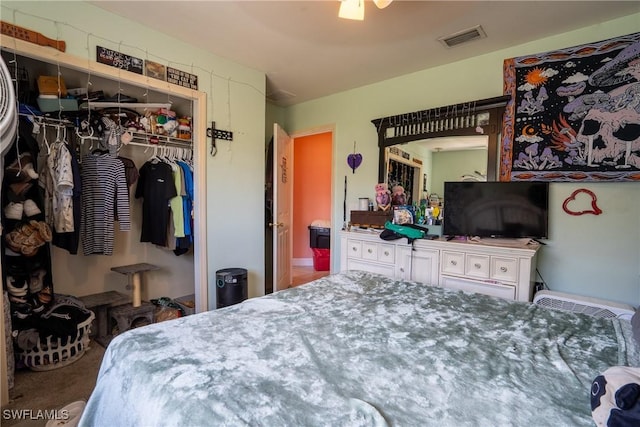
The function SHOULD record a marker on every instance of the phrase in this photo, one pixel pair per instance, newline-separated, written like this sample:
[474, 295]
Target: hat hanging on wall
[354, 159]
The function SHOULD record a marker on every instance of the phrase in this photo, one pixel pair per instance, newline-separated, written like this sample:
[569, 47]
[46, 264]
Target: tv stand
[491, 267]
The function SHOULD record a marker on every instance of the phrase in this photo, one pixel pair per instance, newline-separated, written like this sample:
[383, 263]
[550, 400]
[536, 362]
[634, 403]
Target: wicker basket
[52, 354]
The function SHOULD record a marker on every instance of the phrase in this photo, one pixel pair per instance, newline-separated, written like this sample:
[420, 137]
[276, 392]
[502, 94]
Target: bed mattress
[360, 349]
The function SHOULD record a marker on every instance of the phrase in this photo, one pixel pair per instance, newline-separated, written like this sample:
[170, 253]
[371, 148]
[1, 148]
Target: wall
[236, 102]
[590, 255]
[311, 188]
[451, 165]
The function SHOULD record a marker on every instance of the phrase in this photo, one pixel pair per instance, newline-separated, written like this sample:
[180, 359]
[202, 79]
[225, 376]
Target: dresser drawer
[378, 252]
[494, 289]
[354, 248]
[452, 262]
[386, 253]
[477, 266]
[370, 251]
[504, 268]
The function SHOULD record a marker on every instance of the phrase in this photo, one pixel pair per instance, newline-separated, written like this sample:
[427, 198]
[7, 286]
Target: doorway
[311, 200]
[312, 160]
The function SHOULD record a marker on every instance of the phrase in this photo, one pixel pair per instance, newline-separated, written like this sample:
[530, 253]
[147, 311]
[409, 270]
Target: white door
[282, 198]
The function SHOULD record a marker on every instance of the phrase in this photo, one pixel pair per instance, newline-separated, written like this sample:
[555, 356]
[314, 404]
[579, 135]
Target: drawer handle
[454, 262]
[369, 250]
[354, 248]
[386, 253]
[402, 269]
[477, 265]
[503, 269]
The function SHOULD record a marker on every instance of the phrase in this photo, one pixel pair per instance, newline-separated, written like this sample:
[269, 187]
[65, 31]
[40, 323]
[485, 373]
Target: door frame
[316, 131]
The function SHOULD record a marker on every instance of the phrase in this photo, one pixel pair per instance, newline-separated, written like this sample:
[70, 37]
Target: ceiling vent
[463, 36]
[280, 95]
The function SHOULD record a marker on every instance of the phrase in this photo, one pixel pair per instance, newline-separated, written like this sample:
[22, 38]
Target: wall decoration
[155, 70]
[570, 201]
[574, 114]
[182, 78]
[31, 36]
[283, 170]
[354, 159]
[118, 60]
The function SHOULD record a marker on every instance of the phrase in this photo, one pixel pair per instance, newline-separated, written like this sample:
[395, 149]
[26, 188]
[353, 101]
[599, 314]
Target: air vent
[579, 304]
[463, 36]
[280, 95]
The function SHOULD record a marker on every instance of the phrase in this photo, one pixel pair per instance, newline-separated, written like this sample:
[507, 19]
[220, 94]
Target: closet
[80, 274]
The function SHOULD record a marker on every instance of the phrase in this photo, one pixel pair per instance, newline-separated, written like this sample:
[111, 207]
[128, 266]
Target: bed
[360, 349]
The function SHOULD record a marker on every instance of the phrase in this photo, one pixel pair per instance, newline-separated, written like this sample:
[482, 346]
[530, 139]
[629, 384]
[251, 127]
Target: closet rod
[144, 144]
[43, 120]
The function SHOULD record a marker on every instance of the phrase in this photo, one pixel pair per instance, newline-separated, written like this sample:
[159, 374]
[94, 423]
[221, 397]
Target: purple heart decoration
[354, 160]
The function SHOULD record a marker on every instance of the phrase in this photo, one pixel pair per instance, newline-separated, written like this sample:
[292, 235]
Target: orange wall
[311, 188]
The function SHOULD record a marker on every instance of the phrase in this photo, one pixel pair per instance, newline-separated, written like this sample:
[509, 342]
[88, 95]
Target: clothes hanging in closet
[155, 186]
[183, 243]
[70, 240]
[104, 194]
[57, 181]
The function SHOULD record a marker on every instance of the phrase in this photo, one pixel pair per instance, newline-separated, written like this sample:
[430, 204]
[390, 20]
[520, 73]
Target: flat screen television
[496, 209]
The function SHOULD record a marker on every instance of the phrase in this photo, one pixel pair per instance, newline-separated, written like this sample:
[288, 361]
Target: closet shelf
[162, 139]
[97, 105]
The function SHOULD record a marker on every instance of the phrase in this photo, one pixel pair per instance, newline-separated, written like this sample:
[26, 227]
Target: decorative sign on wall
[155, 70]
[182, 78]
[283, 170]
[119, 60]
[573, 114]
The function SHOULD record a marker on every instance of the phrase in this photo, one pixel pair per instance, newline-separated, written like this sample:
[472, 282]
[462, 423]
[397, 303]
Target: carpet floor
[51, 390]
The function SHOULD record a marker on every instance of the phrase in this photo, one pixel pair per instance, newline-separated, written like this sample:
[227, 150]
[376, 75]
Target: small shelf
[162, 139]
[97, 105]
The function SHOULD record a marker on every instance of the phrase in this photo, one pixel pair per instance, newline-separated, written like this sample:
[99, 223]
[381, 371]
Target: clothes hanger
[81, 137]
[44, 138]
[154, 157]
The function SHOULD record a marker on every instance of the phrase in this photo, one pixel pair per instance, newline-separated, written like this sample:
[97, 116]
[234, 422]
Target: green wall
[452, 165]
[598, 256]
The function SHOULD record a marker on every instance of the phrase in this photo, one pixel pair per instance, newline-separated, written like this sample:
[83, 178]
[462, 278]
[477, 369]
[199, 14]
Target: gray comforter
[358, 349]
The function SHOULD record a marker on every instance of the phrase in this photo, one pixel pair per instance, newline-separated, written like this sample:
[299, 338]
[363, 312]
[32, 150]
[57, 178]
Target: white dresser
[498, 270]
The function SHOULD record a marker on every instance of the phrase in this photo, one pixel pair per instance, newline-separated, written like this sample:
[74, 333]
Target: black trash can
[231, 284]
[319, 237]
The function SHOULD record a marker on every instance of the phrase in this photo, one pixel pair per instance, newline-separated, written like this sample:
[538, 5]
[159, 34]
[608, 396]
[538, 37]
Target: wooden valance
[465, 119]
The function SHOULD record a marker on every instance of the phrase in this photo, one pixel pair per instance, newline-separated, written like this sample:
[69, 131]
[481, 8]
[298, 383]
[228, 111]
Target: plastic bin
[231, 284]
[319, 237]
[321, 259]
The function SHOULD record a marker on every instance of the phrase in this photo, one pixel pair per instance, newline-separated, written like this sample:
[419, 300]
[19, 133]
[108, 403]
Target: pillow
[615, 397]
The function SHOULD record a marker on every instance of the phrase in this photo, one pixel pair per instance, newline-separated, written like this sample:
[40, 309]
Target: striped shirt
[104, 193]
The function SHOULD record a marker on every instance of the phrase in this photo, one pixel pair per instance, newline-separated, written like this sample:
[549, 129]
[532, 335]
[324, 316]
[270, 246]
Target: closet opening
[120, 104]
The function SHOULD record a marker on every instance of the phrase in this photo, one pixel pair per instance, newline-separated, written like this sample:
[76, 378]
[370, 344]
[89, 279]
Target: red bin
[321, 258]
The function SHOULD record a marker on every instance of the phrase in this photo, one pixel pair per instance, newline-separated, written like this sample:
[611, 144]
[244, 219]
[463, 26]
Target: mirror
[482, 118]
[423, 166]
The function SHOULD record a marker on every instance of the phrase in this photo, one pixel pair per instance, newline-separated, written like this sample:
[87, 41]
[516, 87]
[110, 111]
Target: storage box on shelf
[371, 219]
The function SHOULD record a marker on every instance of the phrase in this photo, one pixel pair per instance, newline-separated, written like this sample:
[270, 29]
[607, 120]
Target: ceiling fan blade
[352, 9]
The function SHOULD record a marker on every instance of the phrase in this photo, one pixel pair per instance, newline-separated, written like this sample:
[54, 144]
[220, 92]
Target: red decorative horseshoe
[595, 210]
